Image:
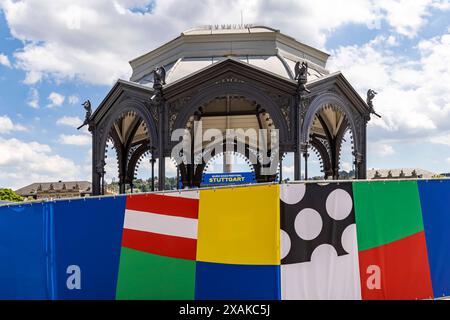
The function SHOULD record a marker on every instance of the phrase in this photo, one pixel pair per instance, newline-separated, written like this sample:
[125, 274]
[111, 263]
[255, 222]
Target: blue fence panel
[435, 201]
[23, 252]
[87, 242]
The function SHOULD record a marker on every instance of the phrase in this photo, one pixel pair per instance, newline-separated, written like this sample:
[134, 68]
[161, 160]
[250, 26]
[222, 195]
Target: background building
[56, 190]
[400, 173]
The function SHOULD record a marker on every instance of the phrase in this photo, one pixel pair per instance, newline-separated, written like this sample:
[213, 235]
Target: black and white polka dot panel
[313, 215]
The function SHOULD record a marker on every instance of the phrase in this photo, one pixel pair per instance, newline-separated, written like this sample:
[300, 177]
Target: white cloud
[73, 122]
[82, 40]
[381, 149]
[144, 170]
[73, 99]
[56, 100]
[346, 166]
[407, 17]
[25, 162]
[443, 139]
[413, 94]
[392, 41]
[7, 126]
[33, 98]
[448, 160]
[4, 60]
[32, 77]
[75, 139]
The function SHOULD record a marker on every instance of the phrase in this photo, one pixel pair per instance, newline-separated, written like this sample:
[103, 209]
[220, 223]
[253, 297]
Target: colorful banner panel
[162, 225]
[216, 281]
[239, 226]
[145, 276]
[159, 247]
[238, 244]
[435, 201]
[318, 242]
[233, 232]
[391, 240]
[354, 240]
[396, 271]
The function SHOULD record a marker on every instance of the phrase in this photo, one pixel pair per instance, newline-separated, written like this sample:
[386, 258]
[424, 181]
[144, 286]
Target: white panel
[188, 66]
[271, 63]
[161, 224]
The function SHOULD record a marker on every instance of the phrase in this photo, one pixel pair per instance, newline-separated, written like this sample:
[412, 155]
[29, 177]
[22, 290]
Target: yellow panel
[240, 226]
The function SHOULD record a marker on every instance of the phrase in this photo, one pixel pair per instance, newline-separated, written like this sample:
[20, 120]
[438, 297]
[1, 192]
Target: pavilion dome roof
[198, 48]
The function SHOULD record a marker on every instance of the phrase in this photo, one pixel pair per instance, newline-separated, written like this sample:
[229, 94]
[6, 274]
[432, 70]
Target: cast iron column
[95, 175]
[280, 178]
[306, 155]
[152, 162]
[298, 124]
[162, 136]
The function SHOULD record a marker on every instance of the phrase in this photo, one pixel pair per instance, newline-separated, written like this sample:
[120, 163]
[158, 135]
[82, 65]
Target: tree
[10, 196]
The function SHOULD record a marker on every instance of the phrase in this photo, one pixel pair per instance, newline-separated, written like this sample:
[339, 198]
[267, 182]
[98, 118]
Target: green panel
[386, 212]
[145, 276]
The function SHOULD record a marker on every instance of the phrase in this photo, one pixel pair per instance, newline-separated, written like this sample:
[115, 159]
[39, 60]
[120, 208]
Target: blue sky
[54, 55]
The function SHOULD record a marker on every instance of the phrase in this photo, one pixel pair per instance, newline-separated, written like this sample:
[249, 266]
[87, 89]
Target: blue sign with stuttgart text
[221, 179]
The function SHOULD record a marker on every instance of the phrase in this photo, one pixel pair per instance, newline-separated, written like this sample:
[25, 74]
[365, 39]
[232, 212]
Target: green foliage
[10, 196]
[343, 175]
[141, 185]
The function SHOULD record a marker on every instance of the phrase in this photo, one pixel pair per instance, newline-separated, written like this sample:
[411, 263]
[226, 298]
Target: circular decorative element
[308, 224]
[285, 243]
[292, 193]
[349, 239]
[339, 204]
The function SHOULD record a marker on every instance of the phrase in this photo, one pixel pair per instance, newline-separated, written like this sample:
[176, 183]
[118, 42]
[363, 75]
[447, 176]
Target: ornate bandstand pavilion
[229, 77]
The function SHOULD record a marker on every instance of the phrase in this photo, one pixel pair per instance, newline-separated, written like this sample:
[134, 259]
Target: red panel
[163, 245]
[401, 268]
[168, 205]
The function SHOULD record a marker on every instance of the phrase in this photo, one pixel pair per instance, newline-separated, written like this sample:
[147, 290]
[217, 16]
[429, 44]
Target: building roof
[408, 172]
[83, 186]
[198, 48]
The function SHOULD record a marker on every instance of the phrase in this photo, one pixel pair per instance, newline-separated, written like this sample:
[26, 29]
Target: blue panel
[435, 201]
[23, 271]
[223, 179]
[216, 281]
[88, 234]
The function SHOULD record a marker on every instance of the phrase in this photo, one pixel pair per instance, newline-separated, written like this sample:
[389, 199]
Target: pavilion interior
[329, 122]
[234, 112]
[130, 130]
[230, 112]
